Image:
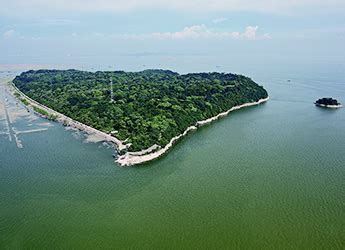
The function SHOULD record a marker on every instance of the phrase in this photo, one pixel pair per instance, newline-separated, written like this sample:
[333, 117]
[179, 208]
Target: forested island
[328, 103]
[141, 108]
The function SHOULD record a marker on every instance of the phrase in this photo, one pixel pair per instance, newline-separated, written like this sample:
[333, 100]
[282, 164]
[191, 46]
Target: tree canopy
[148, 107]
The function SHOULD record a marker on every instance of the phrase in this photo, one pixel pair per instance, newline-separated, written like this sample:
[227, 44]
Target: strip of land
[30, 131]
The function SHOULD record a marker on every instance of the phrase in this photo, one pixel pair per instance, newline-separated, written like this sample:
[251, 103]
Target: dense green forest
[147, 107]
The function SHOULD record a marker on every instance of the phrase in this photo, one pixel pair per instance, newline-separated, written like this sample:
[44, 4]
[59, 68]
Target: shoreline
[133, 158]
[329, 106]
[129, 158]
[67, 121]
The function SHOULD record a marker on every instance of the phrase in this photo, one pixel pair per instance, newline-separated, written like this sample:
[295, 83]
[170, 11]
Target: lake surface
[270, 176]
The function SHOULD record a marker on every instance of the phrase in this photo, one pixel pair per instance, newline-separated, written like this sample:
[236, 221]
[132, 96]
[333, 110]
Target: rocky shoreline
[133, 158]
[329, 106]
[129, 158]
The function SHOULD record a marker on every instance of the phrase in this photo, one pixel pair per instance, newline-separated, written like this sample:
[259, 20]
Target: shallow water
[270, 176]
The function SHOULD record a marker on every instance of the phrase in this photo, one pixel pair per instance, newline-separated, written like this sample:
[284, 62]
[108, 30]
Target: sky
[131, 34]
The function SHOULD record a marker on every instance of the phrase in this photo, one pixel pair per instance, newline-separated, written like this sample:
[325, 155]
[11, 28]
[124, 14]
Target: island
[328, 103]
[142, 113]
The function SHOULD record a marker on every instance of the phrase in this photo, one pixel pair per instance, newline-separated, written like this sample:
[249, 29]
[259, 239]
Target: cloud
[202, 31]
[8, 34]
[250, 33]
[42, 6]
[189, 32]
[219, 20]
[195, 31]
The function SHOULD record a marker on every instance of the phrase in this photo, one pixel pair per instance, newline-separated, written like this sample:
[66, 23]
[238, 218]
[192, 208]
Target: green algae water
[267, 177]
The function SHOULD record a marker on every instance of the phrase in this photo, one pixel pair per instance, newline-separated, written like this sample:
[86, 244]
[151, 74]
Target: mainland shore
[129, 158]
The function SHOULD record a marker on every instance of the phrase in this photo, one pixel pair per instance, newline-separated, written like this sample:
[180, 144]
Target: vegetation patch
[40, 111]
[24, 101]
[146, 108]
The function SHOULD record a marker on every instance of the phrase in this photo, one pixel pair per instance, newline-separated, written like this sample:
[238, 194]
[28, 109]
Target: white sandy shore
[101, 136]
[330, 106]
[133, 158]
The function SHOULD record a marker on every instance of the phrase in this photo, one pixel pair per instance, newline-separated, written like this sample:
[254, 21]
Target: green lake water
[265, 177]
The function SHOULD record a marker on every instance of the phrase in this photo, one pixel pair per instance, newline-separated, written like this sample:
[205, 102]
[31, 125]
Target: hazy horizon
[160, 34]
